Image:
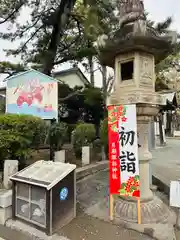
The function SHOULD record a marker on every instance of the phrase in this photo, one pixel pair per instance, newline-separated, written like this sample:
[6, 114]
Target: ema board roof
[44, 173]
[25, 73]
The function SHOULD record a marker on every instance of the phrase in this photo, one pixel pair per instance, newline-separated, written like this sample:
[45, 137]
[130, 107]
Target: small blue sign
[63, 194]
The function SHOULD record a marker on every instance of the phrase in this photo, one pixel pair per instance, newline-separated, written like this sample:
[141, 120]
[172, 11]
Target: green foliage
[11, 68]
[84, 105]
[2, 104]
[163, 27]
[83, 135]
[54, 42]
[46, 24]
[20, 133]
[71, 127]
[104, 134]
[58, 135]
[43, 29]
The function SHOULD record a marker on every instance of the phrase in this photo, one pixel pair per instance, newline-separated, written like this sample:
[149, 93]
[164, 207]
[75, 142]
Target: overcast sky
[158, 11]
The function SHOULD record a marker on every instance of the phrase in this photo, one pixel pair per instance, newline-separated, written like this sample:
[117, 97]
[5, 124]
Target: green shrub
[104, 134]
[71, 127]
[20, 133]
[84, 134]
[58, 135]
[2, 106]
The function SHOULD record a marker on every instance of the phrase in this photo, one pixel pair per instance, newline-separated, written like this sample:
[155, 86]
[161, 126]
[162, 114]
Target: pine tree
[48, 20]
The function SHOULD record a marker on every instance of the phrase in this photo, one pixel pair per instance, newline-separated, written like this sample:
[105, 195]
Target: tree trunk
[104, 80]
[161, 138]
[62, 17]
[91, 67]
[169, 123]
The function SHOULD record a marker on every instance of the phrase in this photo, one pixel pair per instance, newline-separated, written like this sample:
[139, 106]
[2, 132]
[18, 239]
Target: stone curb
[91, 169]
[31, 232]
[176, 138]
[163, 187]
[156, 231]
[36, 234]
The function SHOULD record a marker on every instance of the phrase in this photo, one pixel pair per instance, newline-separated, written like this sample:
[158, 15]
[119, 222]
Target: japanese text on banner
[128, 145]
[113, 152]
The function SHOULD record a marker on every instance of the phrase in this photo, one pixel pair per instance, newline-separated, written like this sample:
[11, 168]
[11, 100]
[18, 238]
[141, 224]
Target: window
[127, 69]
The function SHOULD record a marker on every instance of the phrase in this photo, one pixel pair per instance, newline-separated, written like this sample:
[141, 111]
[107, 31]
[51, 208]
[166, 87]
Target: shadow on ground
[89, 192]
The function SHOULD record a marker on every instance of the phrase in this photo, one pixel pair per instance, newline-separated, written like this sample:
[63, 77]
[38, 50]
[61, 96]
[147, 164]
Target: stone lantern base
[153, 210]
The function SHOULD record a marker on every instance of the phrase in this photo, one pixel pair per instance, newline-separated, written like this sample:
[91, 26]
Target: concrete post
[144, 157]
[85, 155]
[60, 156]
[151, 136]
[151, 140]
[10, 168]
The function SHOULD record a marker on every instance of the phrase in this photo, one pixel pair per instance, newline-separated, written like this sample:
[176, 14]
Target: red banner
[123, 151]
[113, 154]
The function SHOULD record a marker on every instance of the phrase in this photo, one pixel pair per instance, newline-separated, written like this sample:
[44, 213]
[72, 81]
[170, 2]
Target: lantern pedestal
[153, 210]
[145, 113]
[133, 50]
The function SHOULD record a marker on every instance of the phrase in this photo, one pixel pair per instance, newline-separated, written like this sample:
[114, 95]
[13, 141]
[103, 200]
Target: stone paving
[166, 161]
[89, 192]
[165, 165]
[8, 234]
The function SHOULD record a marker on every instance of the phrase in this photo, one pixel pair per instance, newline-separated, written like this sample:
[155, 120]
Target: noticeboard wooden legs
[111, 207]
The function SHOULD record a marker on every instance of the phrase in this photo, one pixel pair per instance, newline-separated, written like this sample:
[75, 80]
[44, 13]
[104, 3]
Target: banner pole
[139, 210]
[111, 207]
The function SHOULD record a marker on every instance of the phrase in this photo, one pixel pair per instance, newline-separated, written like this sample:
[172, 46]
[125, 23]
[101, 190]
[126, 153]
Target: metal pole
[51, 141]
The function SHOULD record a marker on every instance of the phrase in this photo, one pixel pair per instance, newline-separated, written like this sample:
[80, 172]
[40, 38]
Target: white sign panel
[128, 145]
[175, 194]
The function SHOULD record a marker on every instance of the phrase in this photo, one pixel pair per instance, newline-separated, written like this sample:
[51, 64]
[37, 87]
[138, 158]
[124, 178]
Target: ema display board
[32, 93]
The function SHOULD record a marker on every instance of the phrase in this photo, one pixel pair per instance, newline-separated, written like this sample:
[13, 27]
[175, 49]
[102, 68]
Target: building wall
[71, 79]
[3, 91]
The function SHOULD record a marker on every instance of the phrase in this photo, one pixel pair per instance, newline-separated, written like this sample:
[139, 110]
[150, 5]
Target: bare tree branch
[69, 96]
[21, 3]
[109, 83]
[111, 86]
[65, 59]
[30, 38]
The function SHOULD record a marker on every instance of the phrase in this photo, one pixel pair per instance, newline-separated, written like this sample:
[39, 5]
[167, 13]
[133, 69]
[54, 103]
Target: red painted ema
[123, 153]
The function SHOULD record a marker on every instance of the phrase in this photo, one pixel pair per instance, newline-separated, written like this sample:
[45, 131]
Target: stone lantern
[133, 50]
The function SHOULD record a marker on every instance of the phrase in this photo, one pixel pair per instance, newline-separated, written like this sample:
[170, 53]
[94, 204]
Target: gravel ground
[85, 227]
[95, 189]
[8, 234]
[90, 191]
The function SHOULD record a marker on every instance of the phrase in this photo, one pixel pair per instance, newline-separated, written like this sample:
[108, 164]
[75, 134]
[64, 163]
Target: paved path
[165, 165]
[90, 191]
[8, 234]
[166, 162]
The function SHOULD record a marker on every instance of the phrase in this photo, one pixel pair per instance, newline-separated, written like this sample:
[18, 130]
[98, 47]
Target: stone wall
[95, 154]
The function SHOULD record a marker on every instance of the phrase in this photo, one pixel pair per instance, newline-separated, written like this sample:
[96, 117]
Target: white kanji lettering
[113, 157]
[114, 176]
[113, 145]
[114, 170]
[114, 163]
